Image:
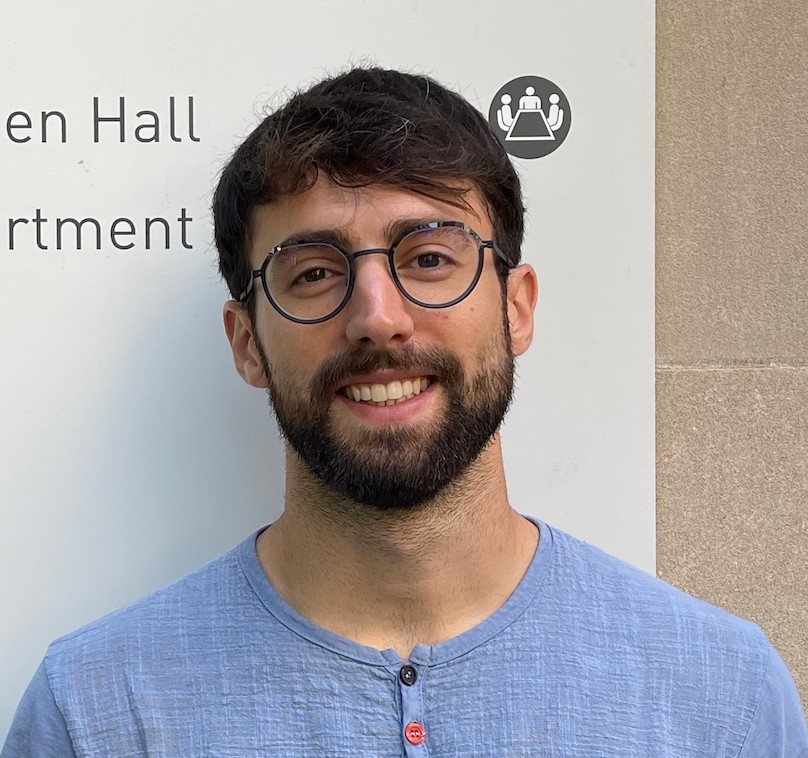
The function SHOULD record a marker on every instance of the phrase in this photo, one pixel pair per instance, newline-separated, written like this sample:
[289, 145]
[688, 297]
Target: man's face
[432, 385]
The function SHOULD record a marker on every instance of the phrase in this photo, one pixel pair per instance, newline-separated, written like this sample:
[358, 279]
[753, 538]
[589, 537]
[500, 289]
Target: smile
[391, 393]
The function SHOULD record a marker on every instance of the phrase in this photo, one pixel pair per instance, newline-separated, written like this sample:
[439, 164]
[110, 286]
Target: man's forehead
[346, 214]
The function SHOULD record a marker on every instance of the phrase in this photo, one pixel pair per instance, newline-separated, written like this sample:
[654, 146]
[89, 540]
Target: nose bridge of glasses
[370, 251]
[383, 268]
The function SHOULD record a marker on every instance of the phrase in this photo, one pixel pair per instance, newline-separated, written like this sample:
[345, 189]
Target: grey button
[408, 675]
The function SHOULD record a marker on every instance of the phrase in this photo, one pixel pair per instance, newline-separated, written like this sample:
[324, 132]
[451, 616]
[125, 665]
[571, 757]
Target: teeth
[387, 394]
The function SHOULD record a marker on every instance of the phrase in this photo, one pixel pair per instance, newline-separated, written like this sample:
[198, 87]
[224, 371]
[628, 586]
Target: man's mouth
[391, 393]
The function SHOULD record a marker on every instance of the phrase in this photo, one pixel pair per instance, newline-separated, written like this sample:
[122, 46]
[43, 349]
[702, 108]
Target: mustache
[337, 368]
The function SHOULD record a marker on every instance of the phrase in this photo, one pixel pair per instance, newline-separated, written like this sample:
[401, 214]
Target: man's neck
[395, 579]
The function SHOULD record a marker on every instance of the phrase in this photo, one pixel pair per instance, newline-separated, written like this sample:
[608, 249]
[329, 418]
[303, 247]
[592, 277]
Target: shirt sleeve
[38, 729]
[778, 728]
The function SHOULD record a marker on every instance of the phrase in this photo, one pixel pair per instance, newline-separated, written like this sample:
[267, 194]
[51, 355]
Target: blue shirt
[588, 657]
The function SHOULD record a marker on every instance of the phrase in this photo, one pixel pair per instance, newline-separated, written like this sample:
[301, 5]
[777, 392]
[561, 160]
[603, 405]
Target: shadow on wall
[209, 443]
[161, 460]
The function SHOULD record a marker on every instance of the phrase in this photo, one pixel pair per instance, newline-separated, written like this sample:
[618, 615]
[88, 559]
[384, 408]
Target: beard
[402, 466]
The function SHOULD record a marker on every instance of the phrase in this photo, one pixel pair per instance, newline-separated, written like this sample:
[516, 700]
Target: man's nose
[378, 313]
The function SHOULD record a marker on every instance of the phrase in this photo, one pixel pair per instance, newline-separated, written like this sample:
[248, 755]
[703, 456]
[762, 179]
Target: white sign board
[131, 451]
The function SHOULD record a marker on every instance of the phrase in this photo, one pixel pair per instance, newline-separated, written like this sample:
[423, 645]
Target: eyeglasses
[435, 265]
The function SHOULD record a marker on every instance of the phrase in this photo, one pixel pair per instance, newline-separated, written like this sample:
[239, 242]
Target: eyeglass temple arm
[496, 248]
[253, 276]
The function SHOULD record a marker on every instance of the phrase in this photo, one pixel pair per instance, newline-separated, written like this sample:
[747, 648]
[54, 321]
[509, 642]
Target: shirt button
[415, 733]
[408, 675]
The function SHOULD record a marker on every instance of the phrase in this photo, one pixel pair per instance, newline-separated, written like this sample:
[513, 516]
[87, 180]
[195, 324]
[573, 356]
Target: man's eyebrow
[317, 235]
[399, 226]
[392, 231]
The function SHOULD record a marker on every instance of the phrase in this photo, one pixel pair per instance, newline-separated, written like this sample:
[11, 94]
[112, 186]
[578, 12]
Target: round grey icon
[531, 116]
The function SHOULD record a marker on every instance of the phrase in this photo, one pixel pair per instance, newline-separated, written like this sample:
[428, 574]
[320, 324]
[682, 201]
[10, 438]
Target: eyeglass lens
[433, 266]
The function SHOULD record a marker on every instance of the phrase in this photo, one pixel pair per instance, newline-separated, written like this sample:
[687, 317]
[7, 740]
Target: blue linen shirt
[588, 657]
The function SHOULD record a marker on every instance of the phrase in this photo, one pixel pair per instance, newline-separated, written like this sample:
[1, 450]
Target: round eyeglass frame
[260, 273]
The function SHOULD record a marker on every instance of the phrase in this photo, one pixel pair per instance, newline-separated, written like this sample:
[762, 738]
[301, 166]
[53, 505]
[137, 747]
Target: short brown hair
[367, 126]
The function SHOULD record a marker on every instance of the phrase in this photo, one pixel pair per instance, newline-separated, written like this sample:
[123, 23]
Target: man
[370, 234]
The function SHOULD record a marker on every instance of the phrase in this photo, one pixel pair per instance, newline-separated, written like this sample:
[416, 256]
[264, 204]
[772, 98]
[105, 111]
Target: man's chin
[383, 490]
[382, 468]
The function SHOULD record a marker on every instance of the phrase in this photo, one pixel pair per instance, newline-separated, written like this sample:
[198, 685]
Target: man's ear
[239, 333]
[523, 292]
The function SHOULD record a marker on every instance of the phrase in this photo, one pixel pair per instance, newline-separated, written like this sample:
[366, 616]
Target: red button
[415, 733]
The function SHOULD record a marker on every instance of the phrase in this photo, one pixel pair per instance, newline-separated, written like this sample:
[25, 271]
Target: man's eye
[313, 275]
[429, 260]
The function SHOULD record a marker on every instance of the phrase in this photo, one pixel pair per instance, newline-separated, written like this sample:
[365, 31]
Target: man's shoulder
[657, 650]
[157, 623]
[180, 651]
[647, 609]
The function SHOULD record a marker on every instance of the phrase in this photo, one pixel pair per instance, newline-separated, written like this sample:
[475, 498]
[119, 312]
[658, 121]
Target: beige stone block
[732, 497]
[732, 195]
